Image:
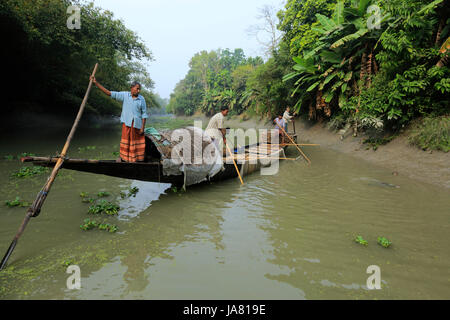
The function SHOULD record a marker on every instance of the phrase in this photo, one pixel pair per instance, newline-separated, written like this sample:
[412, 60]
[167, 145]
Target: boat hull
[145, 171]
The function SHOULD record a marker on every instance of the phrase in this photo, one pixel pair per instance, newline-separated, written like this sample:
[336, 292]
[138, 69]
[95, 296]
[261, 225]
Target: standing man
[280, 123]
[133, 117]
[215, 128]
[287, 118]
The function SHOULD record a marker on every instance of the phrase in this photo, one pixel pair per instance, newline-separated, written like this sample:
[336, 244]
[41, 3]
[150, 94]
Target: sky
[174, 30]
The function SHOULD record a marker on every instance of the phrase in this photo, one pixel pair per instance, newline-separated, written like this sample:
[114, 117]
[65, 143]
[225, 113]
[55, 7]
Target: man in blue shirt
[133, 117]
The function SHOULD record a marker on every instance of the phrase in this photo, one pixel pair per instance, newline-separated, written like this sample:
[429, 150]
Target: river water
[285, 236]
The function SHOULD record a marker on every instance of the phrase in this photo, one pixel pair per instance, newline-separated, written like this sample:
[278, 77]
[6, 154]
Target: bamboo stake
[309, 161]
[234, 162]
[35, 208]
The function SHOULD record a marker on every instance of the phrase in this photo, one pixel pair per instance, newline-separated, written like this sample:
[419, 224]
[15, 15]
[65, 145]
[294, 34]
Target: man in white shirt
[280, 123]
[287, 118]
[215, 128]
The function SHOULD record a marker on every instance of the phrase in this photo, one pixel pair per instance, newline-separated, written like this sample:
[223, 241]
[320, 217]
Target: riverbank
[427, 166]
[398, 155]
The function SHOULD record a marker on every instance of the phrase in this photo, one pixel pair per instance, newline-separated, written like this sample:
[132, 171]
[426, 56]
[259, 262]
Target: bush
[431, 133]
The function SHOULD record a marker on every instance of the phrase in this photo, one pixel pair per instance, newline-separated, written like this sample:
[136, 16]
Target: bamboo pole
[309, 161]
[234, 162]
[35, 208]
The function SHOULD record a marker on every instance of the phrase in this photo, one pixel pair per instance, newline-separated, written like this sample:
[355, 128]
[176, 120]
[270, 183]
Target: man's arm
[224, 135]
[143, 126]
[102, 88]
[144, 116]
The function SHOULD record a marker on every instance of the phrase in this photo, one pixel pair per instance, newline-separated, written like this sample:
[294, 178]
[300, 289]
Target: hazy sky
[175, 30]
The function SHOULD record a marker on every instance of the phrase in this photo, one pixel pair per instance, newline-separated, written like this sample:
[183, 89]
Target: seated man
[215, 128]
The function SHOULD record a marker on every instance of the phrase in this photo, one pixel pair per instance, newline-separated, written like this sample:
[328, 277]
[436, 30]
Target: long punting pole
[309, 161]
[35, 208]
[234, 162]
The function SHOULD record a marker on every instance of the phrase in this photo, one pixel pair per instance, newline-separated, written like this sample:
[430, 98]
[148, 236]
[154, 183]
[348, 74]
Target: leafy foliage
[105, 207]
[16, 203]
[360, 240]
[215, 79]
[92, 224]
[25, 172]
[382, 241]
[393, 73]
[35, 29]
[432, 133]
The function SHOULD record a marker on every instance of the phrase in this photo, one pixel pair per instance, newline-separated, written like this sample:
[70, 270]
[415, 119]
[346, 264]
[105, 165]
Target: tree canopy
[48, 65]
[376, 62]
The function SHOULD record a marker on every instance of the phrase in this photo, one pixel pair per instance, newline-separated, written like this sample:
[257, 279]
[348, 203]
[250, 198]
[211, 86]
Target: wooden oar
[234, 162]
[35, 208]
[309, 161]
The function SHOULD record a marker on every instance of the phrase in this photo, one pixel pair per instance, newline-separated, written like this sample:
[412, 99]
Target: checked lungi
[132, 144]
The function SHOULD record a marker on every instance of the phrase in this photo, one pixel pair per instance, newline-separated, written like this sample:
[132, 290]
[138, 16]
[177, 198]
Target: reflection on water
[287, 236]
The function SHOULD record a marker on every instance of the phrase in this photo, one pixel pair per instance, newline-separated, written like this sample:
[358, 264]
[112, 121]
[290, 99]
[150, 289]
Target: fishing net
[188, 151]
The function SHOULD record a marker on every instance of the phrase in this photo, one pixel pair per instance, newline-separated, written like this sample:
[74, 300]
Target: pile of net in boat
[187, 151]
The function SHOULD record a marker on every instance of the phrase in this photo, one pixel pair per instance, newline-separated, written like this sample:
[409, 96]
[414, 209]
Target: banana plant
[326, 71]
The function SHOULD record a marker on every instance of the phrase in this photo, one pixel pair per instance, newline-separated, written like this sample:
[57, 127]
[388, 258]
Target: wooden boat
[152, 170]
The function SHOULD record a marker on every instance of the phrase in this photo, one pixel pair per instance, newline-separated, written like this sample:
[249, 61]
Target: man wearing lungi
[133, 117]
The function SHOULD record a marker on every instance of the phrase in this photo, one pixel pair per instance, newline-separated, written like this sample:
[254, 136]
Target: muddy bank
[398, 156]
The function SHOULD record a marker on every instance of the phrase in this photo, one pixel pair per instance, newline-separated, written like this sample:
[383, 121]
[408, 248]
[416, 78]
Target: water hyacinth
[104, 206]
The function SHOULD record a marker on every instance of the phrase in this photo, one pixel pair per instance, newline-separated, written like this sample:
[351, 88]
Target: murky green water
[287, 236]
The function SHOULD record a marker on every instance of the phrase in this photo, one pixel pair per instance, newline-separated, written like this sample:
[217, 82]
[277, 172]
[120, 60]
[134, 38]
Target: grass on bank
[431, 133]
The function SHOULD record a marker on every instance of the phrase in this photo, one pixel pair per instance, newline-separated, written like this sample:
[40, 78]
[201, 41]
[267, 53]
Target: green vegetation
[382, 241]
[29, 171]
[87, 148]
[92, 224]
[388, 73]
[369, 65]
[374, 65]
[84, 194]
[67, 263]
[215, 79]
[432, 133]
[105, 207]
[131, 192]
[360, 240]
[38, 28]
[102, 194]
[25, 154]
[16, 203]
[98, 208]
